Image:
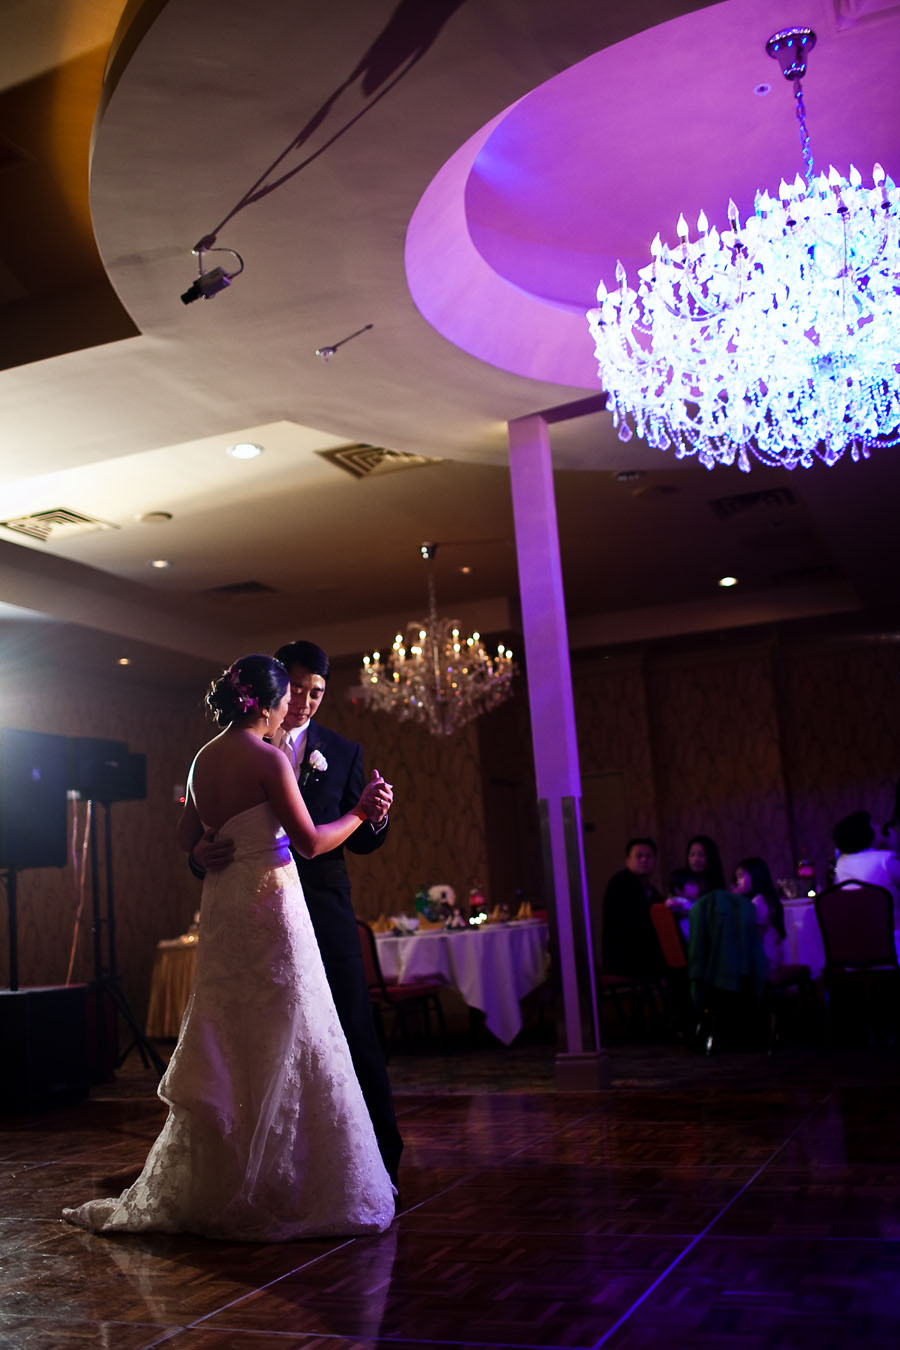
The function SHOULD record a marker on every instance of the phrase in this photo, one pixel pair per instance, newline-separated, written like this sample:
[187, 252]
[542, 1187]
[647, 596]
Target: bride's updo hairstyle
[250, 685]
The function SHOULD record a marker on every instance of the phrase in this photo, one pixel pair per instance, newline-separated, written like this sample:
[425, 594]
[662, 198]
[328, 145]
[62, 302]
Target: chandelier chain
[805, 144]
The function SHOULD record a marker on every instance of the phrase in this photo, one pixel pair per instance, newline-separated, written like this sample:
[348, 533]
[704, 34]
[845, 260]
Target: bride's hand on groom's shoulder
[211, 852]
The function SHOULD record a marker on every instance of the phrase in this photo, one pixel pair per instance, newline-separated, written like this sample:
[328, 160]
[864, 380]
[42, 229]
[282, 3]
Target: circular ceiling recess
[507, 245]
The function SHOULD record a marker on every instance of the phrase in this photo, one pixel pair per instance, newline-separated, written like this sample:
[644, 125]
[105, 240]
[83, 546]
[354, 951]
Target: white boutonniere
[317, 761]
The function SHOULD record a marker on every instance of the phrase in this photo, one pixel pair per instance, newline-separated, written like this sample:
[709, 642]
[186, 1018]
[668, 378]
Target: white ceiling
[121, 405]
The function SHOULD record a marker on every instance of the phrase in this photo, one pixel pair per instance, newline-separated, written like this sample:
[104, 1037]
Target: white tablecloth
[493, 967]
[803, 937]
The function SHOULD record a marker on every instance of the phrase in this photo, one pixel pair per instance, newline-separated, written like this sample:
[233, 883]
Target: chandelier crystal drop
[778, 337]
[434, 675]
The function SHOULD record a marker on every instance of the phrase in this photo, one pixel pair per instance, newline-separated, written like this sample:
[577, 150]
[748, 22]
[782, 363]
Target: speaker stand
[106, 982]
[10, 879]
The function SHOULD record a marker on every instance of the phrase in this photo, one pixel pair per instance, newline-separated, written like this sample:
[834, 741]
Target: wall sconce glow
[244, 450]
[728, 581]
[776, 337]
[159, 563]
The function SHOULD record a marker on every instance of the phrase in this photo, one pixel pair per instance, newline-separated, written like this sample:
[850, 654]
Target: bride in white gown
[268, 1136]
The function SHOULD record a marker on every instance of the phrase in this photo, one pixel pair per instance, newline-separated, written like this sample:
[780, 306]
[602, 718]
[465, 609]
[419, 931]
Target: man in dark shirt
[630, 945]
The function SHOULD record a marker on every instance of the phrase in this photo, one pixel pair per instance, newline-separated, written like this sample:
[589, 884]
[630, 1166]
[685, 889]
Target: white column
[580, 1063]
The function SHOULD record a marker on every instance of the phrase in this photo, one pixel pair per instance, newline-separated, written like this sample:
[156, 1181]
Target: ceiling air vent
[60, 523]
[364, 461]
[238, 588]
[773, 499]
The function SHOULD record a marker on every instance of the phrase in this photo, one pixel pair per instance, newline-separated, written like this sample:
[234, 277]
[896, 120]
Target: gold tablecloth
[170, 985]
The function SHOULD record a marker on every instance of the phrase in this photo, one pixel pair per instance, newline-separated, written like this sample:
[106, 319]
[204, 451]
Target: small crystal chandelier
[778, 338]
[434, 675]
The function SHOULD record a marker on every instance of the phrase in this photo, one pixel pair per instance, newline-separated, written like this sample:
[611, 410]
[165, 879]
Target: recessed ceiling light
[244, 450]
[155, 517]
[159, 562]
[465, 570]
[124, 661]
[728, 581]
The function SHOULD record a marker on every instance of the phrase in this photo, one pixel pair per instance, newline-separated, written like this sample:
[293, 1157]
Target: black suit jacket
[329, 794]
[630, 944]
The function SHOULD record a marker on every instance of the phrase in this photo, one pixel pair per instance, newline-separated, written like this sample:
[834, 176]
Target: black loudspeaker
[104, 771]
[43, 1045]
[32, 799]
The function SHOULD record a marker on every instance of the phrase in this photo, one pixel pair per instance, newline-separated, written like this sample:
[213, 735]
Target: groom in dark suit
[331, 777]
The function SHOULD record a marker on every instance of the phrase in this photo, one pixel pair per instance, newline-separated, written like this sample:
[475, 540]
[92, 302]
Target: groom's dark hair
[305, 654]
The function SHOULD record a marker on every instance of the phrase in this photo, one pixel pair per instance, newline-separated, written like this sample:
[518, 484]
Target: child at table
[684, 889]
[753, 879]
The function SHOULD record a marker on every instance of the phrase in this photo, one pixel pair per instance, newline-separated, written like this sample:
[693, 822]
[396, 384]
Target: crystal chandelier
[434, 675]
[778, 337]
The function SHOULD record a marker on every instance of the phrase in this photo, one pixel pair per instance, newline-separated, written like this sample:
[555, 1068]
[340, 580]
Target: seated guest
[684, 889]
[703, 860]
[630, 945]
[859, 861]
[753, 879]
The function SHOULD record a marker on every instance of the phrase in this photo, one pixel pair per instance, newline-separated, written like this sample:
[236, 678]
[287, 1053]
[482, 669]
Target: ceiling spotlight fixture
[728, 581]
[326, 353]
[244, 450]
[159, 563]
[155, 517]
[778, 337]
[208, 284]
[124, 661]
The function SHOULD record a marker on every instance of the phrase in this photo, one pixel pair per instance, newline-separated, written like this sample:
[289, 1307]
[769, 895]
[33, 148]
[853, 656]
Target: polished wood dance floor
[736, 1202]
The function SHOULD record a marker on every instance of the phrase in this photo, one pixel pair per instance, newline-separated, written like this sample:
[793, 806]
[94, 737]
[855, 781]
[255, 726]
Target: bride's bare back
[232, 773]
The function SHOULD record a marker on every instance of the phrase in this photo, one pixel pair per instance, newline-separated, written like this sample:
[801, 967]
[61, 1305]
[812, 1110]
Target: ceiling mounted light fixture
[435, 676]
[327, 352]
[244, 450]
[777, 338]
[208, 284]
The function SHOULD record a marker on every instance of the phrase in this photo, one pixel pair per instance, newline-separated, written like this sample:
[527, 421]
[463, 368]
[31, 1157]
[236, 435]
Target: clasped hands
[376, 799]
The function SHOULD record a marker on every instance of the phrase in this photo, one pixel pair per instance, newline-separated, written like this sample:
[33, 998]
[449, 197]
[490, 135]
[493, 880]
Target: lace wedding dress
[268, 1136]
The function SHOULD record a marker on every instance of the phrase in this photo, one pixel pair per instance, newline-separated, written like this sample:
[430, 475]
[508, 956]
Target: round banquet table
[803, 937]
[493, 967]
[170, 985]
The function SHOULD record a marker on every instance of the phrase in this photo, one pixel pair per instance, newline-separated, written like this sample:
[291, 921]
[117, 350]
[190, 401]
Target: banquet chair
[409, 1003]
[857, 923]
[677, 990]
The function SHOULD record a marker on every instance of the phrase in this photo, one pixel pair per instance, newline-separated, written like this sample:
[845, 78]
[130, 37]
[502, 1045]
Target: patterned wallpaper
[841, 732]
[716, 749]
[612, 716]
